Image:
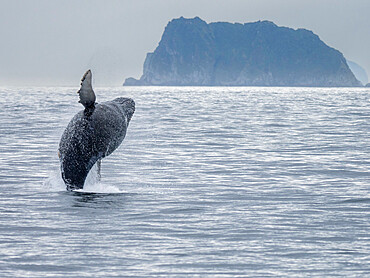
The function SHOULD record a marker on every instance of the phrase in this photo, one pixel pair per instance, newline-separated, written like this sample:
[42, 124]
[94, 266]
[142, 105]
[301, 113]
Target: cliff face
[192, 52]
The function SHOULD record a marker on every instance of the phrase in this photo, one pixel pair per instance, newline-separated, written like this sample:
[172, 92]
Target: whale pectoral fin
[98, 163]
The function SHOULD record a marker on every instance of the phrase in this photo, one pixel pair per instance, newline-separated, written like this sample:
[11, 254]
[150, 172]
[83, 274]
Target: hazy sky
[46, 42]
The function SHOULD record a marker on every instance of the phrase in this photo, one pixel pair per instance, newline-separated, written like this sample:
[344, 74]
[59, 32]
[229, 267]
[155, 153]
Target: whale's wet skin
[92, 134]
[208, 182]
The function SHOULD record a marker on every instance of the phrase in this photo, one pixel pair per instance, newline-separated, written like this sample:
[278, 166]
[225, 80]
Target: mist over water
[210, 182]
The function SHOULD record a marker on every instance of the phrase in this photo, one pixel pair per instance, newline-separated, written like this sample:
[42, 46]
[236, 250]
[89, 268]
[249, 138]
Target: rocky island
[194, 53]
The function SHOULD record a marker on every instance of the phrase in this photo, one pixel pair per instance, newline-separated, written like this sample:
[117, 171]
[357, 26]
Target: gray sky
[52, 43]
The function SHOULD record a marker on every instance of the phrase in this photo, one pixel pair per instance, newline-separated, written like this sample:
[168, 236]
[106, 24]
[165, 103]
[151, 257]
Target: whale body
[91, 135]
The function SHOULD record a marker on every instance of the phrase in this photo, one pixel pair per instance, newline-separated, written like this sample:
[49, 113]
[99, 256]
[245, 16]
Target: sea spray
[93, 184]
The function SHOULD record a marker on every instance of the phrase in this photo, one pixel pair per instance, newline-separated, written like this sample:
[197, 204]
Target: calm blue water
[209, 182]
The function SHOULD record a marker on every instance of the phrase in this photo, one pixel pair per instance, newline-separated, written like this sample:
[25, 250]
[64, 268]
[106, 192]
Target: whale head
[127, 105]
[86, 92]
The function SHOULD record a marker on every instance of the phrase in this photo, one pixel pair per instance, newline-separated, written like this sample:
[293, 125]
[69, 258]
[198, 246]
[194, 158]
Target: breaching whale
[92, 134]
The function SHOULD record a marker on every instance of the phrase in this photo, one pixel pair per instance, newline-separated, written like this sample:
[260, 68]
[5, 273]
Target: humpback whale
[92, 134]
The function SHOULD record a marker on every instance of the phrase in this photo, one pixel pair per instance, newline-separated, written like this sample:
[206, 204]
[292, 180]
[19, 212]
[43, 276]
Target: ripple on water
[260, 182]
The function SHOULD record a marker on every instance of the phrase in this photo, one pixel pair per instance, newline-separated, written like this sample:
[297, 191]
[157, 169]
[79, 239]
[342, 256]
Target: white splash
[92, 184]
[54, 182]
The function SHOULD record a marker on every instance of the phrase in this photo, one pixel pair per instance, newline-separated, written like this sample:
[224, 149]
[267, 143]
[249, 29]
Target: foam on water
[92, 184]
[99, 187]
[54, 182]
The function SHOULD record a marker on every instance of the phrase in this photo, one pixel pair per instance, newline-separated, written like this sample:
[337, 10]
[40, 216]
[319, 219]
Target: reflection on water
[99, 200]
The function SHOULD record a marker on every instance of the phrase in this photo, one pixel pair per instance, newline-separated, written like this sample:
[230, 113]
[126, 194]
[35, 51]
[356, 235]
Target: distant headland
[194, 53]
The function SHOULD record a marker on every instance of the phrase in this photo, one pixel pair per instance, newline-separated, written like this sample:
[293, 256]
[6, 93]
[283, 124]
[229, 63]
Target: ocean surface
[209, 182]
